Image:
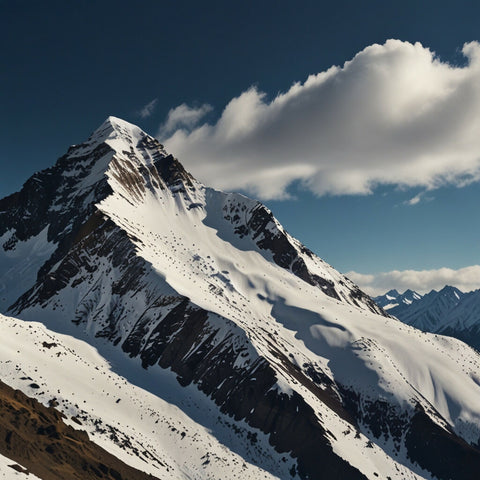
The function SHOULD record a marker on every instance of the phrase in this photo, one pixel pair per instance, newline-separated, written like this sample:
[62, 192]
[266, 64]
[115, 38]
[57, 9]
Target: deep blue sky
[66, 66]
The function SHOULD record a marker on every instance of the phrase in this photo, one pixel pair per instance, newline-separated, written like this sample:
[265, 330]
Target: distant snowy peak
[451, 292]
[429, 312]
[466, 313]
[425, 312]
[463, 321]
[448, 312]
[393, 299]
[392, 294]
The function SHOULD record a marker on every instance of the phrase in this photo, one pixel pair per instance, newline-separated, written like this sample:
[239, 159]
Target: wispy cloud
[422, 281]
[413, 201]
[395, 114]
[147, 110]
[421, 197]
[183, 117]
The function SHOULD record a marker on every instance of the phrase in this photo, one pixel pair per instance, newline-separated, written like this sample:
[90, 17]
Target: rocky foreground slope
[38, 438]
[287, 364]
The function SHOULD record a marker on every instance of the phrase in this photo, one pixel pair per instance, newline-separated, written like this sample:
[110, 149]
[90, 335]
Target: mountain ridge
[393, 298]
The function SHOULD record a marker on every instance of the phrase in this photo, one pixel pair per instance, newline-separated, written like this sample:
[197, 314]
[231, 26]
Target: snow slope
[8, 473]
[142, 429]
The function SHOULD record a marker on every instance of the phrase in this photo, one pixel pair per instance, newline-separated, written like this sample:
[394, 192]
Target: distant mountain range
[447, 312]
[394, 299]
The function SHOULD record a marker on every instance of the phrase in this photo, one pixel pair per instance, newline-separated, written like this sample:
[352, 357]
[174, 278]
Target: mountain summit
[118, 244]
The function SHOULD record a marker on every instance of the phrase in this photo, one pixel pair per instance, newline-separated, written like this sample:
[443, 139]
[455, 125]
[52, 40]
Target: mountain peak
[451, 291]
[393, 293]
[116, 128]
[411, 295]
[450, 288]
[119, 124]
[112, 120]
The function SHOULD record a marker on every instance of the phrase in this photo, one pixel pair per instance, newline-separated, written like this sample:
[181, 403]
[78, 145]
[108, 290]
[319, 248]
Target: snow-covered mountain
[274, 362]
[429, 313]
[463, 320]
[448, 312]
[393, 299]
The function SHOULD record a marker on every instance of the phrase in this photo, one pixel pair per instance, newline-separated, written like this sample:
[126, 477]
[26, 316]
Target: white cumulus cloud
[395, 114]
[422, 281]
[182, 117]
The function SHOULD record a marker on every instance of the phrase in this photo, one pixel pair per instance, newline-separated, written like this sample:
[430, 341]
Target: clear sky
[373, 164]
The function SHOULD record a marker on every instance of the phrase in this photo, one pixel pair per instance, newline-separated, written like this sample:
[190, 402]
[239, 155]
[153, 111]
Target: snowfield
[165, 433]
[8, 473]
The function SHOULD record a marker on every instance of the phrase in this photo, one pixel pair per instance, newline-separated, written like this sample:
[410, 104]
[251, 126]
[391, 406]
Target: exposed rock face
[141, 254]
[442, 453]
[37, 437]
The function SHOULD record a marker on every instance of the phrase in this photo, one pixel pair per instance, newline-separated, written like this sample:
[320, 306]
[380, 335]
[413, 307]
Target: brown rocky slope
[37, 438]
